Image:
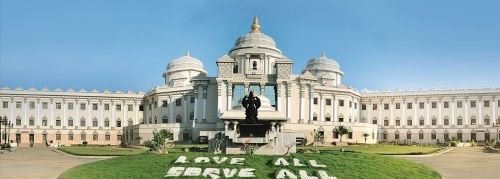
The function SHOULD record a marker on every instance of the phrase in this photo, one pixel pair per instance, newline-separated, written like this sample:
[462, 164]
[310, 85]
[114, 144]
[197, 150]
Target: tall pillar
[368, 111]
[302, 93]
[205, 94]
[37, 105]
[321, 107]
[113, 109]
[311, 104]
[427, 112]
[184, 109]
[335, 108]
[25, 111]
[391, 109]
[453, 117]
[415, 107]
[440, 113]
[196, 96]
[404, 107]
[380, 107]
[229, 96]
[494, 106]
[63, 108]
[466, 117]
[51, 107]
[480, 111]
[171, 105]
[289, 100]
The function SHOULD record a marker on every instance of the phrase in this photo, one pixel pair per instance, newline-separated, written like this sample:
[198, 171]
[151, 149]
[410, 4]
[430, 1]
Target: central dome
[254, 41]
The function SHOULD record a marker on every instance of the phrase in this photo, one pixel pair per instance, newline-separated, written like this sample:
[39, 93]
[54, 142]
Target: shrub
[453, 143]
[84, 143]
[148, 144]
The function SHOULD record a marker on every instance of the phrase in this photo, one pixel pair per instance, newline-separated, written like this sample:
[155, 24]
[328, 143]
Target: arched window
[235, 68]
[178, 119]
[254, 65]
[164, 119]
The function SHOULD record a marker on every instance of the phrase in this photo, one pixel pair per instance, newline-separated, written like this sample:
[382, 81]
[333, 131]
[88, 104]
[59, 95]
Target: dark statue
[251, 103]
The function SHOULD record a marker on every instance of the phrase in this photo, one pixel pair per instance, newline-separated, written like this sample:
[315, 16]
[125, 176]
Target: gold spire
[255, 24]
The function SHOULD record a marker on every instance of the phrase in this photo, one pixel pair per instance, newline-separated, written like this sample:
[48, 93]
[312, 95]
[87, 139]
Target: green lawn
[383, 149]
[340, 165]
[94, 150]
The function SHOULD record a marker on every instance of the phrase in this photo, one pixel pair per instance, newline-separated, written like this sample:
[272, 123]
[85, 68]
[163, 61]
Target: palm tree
[341, 130]
[366, 135]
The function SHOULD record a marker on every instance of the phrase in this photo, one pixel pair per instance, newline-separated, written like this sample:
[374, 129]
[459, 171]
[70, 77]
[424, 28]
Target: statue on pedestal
[251, 103]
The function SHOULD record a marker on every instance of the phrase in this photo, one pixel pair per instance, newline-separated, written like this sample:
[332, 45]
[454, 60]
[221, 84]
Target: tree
[366, 135]
[161, 139]
[341, 130]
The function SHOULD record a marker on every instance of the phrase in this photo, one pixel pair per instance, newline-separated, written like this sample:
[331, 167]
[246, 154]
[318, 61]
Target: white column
[368, 112]
[229, 96]
[12, 106]
[39, 120]
[289, 100]
[391, 108]
[76, 107]
[302, 93]
[415, 106]
[113, 108]
[380, 107]
[321, 108]
[205, 95]
[195, 109]
[136, 110]
[125, 113]
[440, 114]
[63, 108]
[480, 111]
[466, 117]
[427, 112]
[336, 109]
[171, 105]
[494, 111]
[25, 112]
[89, 118]
[311, 105]
[220, 103]
[453, 117]
[279, 100]
[101, 113]
[184, 109]
[51, 107]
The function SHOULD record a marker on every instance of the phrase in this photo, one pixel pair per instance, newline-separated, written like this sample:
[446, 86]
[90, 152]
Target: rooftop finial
[323, 54]
[187, 53]
[255, 24]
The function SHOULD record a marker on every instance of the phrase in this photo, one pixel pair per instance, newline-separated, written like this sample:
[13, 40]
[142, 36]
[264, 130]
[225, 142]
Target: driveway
[36, 163]
[463, 162]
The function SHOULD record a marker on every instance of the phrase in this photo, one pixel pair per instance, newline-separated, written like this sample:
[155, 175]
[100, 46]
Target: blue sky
[126, 45]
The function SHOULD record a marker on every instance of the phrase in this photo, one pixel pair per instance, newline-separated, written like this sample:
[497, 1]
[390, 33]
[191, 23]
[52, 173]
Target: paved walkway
[464, 162]
[37, 163]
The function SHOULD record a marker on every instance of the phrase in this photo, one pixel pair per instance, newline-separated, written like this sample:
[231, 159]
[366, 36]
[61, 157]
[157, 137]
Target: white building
[192, 104]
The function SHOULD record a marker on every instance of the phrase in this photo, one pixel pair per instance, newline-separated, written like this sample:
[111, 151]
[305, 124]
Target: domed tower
[181, 70]
[325, 69]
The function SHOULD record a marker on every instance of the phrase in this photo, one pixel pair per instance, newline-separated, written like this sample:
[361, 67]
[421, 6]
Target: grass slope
[90, 150]
[340, 164]
[384, 149]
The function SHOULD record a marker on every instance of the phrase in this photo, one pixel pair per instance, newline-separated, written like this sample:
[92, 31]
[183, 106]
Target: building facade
[192, 104]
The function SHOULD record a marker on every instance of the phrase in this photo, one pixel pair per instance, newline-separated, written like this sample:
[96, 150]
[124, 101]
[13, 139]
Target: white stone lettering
[237, 161]
[201, 160]
[246, 173]
[281, 162]
[219, 160]
[284, 173]
[323, 175]
[296, 162]
[181, 159]
[303, 175]
[192, 172]
[211, 172]
[175, 172]
[315, 164]
[229, 173]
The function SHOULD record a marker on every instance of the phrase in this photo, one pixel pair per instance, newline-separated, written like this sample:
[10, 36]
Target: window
[45, 105]
[386, 106]
[58, 122]
[118, 107]
[459, 121]
[486, 136]
[82, 122]
[141, 108]
[315, 100]
[386, 122]
[341, 119]
[107, 137]
[374, 106]
[106, 107]
[58, 136]
[350, 104]
[472, 104]
[70, 122]
[486, 104]
[409, 122]
[44, 122]
[421, 105]
[235, 69]
[398, 106]
[95, 137]
[178, 102]
[374, 121]
[118, 123]
[94, 123]
[18, 122]
[82, 106]
[434, 122]
[446, 121]
[473, 121]
[446, 136]
[254, 65]
[106, 123]
[396, 136]
[315, 118]
[355, 105]
[32, 122]
[83, 137]
[408, 105]
[5, 104]
[408, 136]
[433, 136]
[32, 105]
[328, 119]
[95, 107]
[328, 102]
[70, 106]
[421, 136]
[130, 107]
[18, 105]
[164, 104]
[70, 136]
[446, 104]
[363, 107]
[398, 122]
[192, 100]
[433, 105]
[486, 121]
[119, 137]
[349, 135]
[164, 119]
[459, 104]
[421, 122]
[58, 106]
[155, 104]
[341, 102]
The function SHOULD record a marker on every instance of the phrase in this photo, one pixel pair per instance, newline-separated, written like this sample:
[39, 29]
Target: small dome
[185, 63]
[323, 63]
[255, 39]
